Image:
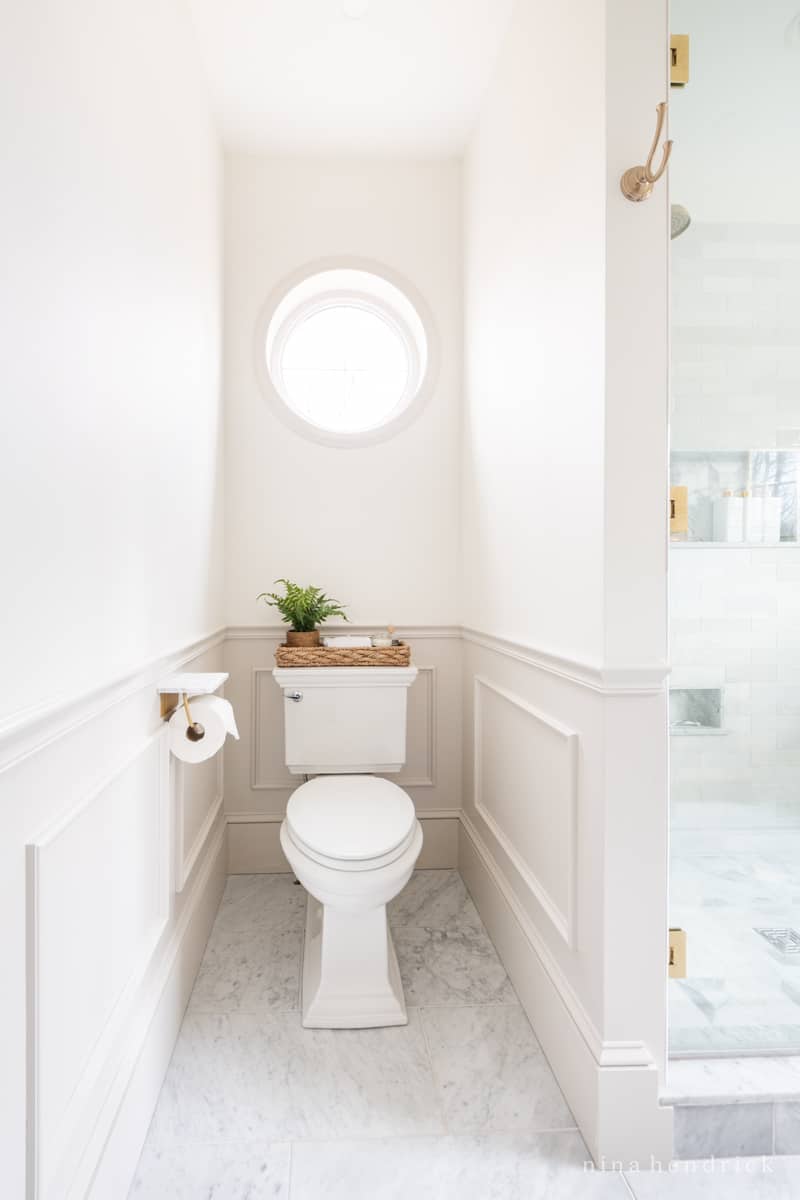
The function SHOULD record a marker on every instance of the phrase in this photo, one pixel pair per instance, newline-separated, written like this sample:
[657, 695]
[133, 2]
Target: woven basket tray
[334, 656]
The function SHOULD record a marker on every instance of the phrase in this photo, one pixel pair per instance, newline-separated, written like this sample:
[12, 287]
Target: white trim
[184, 864]
[146, 1010]
[604, 1053]
[625, 680]
[78, 1109]
[409, 411]
[30, 730]
[562, 922]
[640, 679]
[255, 721]
[611, 1087]
[238, 633]
[262, 818]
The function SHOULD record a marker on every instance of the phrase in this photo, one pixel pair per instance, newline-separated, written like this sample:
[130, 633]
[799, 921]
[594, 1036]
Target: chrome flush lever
[296, 696]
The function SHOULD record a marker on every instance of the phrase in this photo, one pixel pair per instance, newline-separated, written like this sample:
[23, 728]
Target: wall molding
[88, 1093]
[258, 633]
[604, 1053]
[636, 679]
[147, 1007]
[267, 785]
[30, 730]
[562, 921]
[261, 818]
[184, 864]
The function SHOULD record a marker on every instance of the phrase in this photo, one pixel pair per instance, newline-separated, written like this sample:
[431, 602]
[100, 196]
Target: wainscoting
[112, 868]
[113, 859]
[258, 786]
[568, 871]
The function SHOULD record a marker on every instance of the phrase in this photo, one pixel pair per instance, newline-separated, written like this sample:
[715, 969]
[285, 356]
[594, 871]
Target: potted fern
[303, 609]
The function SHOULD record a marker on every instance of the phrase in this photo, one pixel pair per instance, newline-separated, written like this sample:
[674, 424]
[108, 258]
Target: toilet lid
[350, 818]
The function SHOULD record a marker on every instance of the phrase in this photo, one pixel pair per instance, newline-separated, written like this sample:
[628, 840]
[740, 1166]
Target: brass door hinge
[677, 953]
[679, 59]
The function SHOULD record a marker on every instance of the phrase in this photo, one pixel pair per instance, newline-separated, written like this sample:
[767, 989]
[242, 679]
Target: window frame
[269, 343]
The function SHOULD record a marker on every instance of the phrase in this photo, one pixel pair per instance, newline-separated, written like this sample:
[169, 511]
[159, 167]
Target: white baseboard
[254, 847]
[616, 1107]
[153, 1038]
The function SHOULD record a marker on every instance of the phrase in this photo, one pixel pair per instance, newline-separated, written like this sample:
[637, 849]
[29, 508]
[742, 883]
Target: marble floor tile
[444, 952]
[548, 1166]
[723, 1129]
[249, 972]
[239, 1077]
[491, 1072]
[758, 1178]
[252, 961]
[260, 902]
[199, 1172]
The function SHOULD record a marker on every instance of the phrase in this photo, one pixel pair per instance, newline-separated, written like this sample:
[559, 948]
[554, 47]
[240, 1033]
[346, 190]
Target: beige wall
[376, 526]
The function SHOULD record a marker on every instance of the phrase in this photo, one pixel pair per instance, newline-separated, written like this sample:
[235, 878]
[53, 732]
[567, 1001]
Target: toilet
[351, 837]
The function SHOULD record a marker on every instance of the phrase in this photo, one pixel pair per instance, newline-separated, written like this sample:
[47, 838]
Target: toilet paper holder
[177, 689]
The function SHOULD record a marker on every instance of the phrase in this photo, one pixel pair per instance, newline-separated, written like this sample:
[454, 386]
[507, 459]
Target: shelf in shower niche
[697, 731]
[697, 545]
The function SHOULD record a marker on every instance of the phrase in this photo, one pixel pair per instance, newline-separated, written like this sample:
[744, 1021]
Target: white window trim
[421, 382]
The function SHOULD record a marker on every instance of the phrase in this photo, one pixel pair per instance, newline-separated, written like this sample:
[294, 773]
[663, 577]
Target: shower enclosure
[735, 553]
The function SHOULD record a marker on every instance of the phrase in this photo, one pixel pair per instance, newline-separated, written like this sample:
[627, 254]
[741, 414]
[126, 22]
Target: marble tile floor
[740, 995]
[458, 1105]
[462, 1096]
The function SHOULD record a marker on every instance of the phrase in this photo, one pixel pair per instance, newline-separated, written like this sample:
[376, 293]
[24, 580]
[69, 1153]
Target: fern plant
[303, 608]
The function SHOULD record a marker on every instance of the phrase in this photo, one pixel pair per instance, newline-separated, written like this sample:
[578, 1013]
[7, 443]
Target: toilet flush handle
[296, 696]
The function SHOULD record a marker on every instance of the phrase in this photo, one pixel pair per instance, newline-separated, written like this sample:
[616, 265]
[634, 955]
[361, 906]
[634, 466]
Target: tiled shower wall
[736, 612]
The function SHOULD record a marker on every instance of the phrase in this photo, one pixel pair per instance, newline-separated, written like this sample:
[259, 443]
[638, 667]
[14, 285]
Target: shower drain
[785, 941]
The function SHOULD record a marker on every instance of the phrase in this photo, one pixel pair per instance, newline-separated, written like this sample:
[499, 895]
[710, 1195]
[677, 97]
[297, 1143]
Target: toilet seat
[351, 822]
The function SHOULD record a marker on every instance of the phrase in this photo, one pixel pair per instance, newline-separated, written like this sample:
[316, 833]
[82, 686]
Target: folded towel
[348, 643]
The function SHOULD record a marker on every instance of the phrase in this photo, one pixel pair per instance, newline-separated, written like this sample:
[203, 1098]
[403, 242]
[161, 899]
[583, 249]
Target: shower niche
[768, 477]
[695, 711]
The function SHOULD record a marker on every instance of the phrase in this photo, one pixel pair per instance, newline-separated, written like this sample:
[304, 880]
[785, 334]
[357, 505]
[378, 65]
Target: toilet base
[351, 979]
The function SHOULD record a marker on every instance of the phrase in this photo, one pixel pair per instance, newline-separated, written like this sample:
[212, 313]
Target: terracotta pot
[293, 638]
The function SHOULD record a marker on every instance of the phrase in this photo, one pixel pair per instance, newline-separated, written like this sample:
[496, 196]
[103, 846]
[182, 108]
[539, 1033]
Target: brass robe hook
[637, 182]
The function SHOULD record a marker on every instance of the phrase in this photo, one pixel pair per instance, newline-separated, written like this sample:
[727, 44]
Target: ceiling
[349, 76]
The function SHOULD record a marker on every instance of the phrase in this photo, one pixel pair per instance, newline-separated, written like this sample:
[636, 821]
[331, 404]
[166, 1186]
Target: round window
[347, 354]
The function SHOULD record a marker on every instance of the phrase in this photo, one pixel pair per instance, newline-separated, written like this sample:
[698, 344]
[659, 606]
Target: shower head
[679, 220]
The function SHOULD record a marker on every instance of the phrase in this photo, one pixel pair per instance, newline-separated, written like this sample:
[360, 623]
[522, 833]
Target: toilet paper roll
[217, 718]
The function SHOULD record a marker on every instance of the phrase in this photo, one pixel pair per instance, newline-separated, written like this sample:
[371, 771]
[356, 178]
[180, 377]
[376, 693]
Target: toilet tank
[344, 720]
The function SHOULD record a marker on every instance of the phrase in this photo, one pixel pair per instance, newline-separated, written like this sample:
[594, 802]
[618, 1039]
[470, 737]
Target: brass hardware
[678, 509]
[637, 182]
[194, 730]
[169, 702]
[677, 954]
[679, 59]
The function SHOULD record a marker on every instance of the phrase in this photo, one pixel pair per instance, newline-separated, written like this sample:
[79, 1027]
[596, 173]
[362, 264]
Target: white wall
[564, 486]
[112, 514]
[375, 526]
[534, 294]
[111, 499]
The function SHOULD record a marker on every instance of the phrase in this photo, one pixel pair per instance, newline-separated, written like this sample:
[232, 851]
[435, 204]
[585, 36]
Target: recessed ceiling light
[355, 8]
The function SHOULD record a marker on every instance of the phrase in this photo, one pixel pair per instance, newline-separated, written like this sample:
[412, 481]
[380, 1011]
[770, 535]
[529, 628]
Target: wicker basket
[335, 656]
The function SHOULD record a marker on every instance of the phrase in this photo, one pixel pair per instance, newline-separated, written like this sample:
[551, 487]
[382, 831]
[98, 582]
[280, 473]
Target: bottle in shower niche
[773, 511]
[728, 518]
[753, 517]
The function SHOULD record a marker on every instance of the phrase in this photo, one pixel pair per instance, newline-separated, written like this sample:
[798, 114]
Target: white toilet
[352, 839]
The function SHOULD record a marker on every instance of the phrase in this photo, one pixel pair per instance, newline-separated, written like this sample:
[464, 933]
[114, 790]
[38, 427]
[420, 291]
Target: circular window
[347, 354]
